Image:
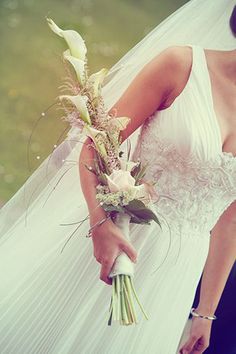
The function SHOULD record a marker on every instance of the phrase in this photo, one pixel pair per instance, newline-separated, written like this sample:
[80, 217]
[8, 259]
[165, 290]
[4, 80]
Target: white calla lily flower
[119, 122]
[97, 136]
[97, 79]
[77, 64]
[80, 103]
[120, 180]
[73, 39]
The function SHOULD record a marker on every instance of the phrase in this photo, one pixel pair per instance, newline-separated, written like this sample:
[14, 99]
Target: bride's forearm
[89, 181]
[221, 257]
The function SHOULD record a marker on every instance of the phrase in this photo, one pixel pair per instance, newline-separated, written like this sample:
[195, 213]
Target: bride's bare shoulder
[154, 87]
[179, 59]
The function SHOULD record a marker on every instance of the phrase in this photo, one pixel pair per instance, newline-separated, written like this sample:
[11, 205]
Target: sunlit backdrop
[31, 67]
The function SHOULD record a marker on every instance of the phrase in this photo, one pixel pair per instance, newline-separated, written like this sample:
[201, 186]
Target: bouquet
[121, 191]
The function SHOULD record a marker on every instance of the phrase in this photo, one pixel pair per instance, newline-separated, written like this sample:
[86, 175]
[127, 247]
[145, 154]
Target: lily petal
[74, 40]
[77, 64]
[80, 103]
[120, 122]
[54, 27]
[112, 185]
[96, 79]
[98, 137]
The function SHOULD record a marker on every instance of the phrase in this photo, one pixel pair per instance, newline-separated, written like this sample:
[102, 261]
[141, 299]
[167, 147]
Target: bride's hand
[108, 243]
[199, 337]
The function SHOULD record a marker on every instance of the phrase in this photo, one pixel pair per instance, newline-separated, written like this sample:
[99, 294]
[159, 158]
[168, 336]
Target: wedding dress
[54, 302]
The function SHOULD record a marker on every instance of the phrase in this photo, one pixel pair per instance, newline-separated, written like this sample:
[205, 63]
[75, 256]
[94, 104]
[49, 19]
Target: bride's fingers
[130, 251]
[200, 346]
[189, 345]
[105, 271]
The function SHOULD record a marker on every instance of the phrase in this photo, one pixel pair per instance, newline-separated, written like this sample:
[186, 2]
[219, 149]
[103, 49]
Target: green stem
[136, 296]
[118, 296]
[129, 291]
[124, 314]
[128, 307]
[114, 298]
[110, 315]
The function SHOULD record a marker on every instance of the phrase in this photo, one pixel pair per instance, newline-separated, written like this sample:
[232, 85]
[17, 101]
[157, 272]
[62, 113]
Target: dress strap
[201, 68]
[199, 63]
[204, 81]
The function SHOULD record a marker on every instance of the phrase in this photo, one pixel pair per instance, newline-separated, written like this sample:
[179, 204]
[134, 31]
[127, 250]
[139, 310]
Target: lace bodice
[194, 188]
[193, 193]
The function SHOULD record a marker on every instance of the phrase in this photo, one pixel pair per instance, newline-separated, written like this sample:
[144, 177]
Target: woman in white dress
[176, 76]
[53, 302]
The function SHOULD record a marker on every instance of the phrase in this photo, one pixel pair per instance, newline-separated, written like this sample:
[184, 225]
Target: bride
[180, 98]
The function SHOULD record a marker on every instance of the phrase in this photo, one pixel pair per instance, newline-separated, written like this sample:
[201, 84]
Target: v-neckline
[223, 153]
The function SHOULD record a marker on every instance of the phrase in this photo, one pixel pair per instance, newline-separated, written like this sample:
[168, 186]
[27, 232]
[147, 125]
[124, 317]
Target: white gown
[55, 303]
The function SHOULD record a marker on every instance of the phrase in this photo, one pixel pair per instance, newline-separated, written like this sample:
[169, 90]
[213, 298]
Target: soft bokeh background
[31, 67]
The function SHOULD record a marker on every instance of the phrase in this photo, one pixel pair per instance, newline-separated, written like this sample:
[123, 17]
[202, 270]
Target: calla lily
[77, 64]
[80, 103]
[120, 180]
[73, 39]
[98, 137]
[119, 123]
[96, 79]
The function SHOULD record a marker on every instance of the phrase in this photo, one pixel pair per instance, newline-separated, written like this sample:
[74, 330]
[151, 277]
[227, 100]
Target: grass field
[31, 66]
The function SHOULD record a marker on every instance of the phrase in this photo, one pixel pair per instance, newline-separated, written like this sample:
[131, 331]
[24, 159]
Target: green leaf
[102, 178]
[110, 207]
[141, 173]
[135, 204]
[135, 171]
[139, 221]
[140, 211]
[135, 219]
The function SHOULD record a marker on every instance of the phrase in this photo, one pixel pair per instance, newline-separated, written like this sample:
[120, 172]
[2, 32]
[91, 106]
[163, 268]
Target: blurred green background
[31, 67]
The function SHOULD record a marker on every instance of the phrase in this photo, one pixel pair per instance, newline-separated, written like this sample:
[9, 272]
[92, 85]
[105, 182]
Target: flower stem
[125, 320]
[128, 306]
[136, 296]
[129, 293]
[118, 295]
[114, 297]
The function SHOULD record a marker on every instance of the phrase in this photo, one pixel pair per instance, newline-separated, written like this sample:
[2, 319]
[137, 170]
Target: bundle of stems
[122, 307]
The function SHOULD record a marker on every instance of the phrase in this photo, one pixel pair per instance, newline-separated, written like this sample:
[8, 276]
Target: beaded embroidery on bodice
[193, 191]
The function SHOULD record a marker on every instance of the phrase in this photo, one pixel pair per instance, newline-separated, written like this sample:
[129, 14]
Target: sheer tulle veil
[201, 22]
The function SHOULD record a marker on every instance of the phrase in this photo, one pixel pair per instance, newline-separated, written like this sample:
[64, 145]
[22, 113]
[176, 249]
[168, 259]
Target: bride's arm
[221, 257]
[146, 93]
[155, 83]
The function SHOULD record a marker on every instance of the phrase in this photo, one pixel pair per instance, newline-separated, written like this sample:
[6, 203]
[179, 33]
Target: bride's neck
[227, 61]
[223, 62]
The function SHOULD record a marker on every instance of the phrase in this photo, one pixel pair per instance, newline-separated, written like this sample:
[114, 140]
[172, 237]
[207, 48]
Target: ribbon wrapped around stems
[122, 307]
[123, 264]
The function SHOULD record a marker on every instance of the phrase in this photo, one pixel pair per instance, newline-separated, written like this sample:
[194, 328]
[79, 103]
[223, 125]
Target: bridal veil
[201, 22]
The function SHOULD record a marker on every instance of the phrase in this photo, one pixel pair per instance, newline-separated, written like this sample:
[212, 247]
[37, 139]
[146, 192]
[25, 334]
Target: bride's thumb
[130, 251]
